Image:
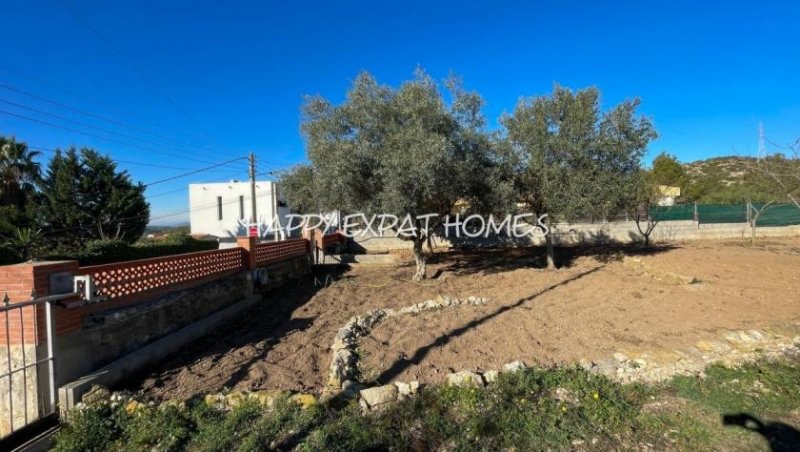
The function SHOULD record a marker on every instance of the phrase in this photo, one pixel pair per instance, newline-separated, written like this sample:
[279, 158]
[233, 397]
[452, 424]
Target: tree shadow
[402, 364]
[496, 260]
[262, 326]
[780, 436]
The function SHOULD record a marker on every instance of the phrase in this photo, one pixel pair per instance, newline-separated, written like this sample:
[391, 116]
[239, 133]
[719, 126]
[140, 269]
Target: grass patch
[767, 388]
[534, 409]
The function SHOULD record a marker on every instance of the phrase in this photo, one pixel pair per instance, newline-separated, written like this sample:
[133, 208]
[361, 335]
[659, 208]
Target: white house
[223, 210]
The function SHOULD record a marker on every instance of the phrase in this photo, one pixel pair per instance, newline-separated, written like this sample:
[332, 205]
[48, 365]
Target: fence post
[749, 213]
[249, 245]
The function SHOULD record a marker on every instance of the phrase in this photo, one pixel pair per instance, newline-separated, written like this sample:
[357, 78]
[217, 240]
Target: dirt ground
[601, 300]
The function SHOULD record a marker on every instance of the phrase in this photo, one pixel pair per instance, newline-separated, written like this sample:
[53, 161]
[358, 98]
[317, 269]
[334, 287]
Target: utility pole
[253, 217]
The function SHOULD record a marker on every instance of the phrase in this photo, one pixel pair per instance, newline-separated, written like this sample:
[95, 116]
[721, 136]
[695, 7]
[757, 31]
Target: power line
[149, 218]
[104, 105]
[128, 162]
[85, 124]
[158, 195]
[92, 115]
[194, 172]
[134, 68]
[113, 140]
[86, 113]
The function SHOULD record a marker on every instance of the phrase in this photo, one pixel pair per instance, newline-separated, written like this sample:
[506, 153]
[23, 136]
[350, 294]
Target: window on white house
[241, 207]
[219, 207]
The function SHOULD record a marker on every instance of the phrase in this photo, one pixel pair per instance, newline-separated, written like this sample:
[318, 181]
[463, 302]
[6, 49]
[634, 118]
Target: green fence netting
[774, 215]
[778, 215]
[673, 213]
[722, 213]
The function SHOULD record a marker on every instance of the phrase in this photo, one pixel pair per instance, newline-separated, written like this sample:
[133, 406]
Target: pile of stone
[342, 375]
[100, 395]
[734, 348]
[378, 397]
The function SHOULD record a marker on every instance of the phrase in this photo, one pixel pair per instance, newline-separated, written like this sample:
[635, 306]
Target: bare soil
[601, 300]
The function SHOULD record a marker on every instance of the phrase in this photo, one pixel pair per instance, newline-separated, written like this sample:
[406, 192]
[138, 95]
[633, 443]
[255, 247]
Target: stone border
[379, 396]
[342, 376]
[732, 349]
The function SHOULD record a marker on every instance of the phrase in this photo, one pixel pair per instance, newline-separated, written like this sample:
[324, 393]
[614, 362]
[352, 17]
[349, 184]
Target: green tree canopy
[401, 151]
[86, 198]
[572, 159]
[667, 170]
[19, 174]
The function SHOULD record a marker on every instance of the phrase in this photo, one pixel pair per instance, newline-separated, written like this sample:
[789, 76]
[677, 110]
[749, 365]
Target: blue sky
[211, 81]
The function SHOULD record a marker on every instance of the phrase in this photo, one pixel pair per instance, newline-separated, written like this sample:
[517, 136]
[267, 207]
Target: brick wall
[272, 252]
[19, 283]
[127, 283]
[123, 284]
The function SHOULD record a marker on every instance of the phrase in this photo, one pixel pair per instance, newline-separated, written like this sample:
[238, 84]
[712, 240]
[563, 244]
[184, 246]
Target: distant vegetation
[107, 251]
[724, 180]
[78, 199]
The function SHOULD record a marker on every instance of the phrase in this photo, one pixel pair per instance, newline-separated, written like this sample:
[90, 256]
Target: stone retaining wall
[592, 234]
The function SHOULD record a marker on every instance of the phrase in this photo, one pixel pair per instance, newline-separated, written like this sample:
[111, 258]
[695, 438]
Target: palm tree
[19, 173]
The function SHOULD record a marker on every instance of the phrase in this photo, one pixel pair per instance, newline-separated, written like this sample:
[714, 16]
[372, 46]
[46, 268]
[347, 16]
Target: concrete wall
[108, 335]
[23, 405]
[590, 233]
[114, 333]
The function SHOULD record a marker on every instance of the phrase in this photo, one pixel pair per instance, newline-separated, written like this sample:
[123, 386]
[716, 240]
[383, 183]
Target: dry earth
[601, 301]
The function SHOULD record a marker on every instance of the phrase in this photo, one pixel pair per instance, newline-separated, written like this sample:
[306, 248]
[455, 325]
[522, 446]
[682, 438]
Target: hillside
[729, 179]
[728, 170]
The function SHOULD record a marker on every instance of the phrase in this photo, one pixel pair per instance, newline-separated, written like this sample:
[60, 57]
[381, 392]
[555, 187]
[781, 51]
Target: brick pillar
[19, 283]
[311, 236]
[249, 246]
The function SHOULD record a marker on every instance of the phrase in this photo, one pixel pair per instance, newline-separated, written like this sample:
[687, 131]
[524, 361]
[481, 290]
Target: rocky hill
[728, 180]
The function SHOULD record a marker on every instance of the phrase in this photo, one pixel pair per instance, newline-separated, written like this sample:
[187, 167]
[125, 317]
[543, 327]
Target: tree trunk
[419, 258]
[551, 255]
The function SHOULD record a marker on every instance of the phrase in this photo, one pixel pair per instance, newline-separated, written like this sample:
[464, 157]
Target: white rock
[378, 396]
[351, 389]
[620, 357]
[490, 376]
[565, 395]
[464, 378]
[407, 389]
[514, 366]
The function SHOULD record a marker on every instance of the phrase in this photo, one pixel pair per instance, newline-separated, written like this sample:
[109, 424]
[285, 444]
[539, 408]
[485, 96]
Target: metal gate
[27, 364]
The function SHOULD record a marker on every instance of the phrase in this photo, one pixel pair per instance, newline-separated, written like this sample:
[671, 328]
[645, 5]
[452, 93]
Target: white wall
[204, 205]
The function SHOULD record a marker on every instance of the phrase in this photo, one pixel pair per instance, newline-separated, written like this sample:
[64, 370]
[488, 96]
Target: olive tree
[644, 199]
[572, 159]
[404, 151]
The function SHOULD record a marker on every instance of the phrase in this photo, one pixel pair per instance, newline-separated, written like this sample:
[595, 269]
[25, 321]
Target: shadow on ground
[496, 260]
[780, 436]
[264, 325]
[402, 364]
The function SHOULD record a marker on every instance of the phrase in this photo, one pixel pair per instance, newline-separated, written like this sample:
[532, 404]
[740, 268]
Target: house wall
[204, 213]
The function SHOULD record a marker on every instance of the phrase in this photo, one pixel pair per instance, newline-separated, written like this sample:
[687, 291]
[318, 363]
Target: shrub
[99, 252]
